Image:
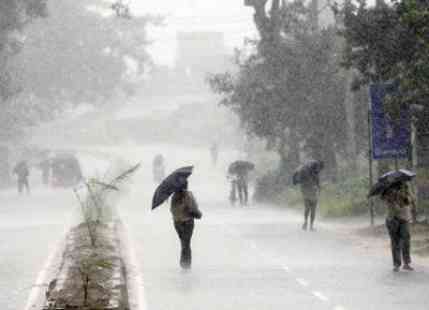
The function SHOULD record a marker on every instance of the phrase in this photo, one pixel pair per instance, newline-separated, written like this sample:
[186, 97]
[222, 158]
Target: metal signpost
[389, 137]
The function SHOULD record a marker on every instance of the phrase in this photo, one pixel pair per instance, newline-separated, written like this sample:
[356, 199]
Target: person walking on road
[308, 177]
[310, 189]
[243, 188]
[184, 209]
[22, 172]
[233, 191]
[399, 215]
[239, 172]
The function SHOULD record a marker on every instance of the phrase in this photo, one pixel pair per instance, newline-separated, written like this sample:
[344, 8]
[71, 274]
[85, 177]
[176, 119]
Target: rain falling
[196, 154]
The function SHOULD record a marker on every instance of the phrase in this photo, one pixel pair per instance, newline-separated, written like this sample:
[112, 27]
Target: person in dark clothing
[233, 191]
[185, 230]
[239, 172]
[399, 216]
[310, 207]
[310, 189]
[22, 172]
[184, 209]
[243, 189]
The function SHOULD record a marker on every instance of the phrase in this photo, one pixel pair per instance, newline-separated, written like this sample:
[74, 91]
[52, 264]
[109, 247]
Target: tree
[15, 15]
[74, 55]
[289, 91]
[389, 42]
[414, 16]
[79, 55]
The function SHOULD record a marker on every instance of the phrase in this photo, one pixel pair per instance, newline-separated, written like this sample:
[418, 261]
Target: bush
[268, 188]
[345, 198]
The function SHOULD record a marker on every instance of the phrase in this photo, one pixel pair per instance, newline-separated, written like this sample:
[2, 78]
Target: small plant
[90, 262]
[96, 201]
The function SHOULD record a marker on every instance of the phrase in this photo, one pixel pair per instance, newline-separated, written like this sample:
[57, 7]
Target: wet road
[30, 229]
[244, 258]
[258, 258]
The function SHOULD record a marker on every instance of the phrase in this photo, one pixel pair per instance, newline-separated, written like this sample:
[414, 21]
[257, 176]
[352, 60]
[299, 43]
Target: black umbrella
[173, 183]
[313, 166]
[309, 168]
[389, 180]
[240, 167]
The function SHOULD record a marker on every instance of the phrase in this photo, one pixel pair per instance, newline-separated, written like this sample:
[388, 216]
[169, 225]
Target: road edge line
[135, 286]
[36, 297]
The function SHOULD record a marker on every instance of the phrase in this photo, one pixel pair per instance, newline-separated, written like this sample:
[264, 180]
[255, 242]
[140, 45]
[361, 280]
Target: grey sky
[227, 16]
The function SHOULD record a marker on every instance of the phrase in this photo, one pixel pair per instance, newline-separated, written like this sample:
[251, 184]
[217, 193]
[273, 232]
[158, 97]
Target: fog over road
[256, 257]
[243, 258]
[332, 95]
[30, 229]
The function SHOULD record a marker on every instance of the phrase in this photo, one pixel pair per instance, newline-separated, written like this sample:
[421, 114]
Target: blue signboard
[390, 138]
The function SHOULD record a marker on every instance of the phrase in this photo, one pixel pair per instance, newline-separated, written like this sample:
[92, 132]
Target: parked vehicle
[66, 171]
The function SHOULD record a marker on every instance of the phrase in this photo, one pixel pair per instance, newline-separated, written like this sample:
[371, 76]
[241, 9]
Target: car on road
[66, 171]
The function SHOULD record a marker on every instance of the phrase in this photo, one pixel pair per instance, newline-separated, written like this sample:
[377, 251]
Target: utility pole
[314, 17]
[350, 119]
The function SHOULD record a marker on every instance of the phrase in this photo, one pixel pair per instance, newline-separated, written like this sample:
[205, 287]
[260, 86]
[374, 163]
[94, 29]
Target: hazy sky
[227, 16]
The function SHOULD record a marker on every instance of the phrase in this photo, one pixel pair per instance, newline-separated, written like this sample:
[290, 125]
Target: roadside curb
[37, 297]
[134, 278]
[52, 264]
[102, 266]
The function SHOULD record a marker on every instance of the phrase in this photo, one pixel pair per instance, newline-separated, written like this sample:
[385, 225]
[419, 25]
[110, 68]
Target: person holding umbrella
[22, 172]
[239, 172]
[308, 177]
[233, 192]
[394, 192]
[184, 209]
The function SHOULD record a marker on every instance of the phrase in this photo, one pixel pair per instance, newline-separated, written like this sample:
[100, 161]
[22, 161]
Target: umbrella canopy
[240, 167]
[310, 167]
[173, 183]
[313, 165]
[391, 179]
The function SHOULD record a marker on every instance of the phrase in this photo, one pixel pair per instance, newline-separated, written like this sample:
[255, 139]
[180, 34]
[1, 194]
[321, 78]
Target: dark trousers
[243, 192]
[23, 183]
[310, 210]
[184, 231]
[399, 232]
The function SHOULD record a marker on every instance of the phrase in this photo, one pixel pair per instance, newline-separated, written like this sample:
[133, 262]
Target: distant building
[199, 53]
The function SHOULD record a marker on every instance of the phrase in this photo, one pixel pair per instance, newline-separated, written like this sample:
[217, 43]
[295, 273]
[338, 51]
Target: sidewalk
[376, 238]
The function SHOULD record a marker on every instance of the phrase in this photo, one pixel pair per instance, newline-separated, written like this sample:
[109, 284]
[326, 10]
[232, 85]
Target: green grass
[346, 198]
